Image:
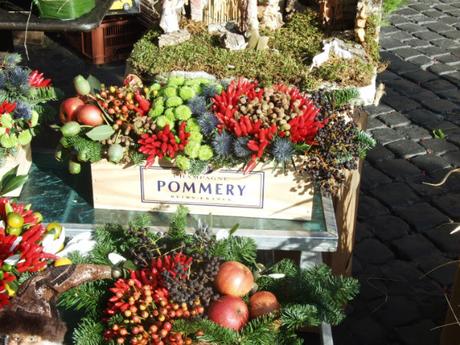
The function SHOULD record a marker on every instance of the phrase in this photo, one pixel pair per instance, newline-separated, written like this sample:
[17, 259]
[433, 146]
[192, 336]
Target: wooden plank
[451, 334]
[346, 210]
[264, 193]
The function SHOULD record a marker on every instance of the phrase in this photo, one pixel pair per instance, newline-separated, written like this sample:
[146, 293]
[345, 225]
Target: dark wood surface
[16, 19]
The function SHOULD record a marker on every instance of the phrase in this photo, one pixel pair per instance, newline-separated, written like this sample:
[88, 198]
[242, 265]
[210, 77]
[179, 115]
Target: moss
[392, 5]
[371, 45]
[294, 46]
[353, 72]
[296, 43]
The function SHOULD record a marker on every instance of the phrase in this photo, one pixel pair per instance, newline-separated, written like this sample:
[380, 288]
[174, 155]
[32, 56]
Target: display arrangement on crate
[178, 288]
[259, 40]
[26, 246]
[217, 146]
[64, 9]
[111, 41]
[23, 97]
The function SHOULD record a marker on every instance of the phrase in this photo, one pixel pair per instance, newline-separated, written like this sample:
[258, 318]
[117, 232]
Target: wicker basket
[64, 9]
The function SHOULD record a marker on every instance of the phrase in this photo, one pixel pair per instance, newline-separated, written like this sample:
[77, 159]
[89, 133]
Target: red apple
[263, 302]
[229, 312]
[68, 109]
[90, 115]
[234, 279]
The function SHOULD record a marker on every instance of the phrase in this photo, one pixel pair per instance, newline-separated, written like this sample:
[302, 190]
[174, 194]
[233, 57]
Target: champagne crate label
[264, 193]
[226, 188]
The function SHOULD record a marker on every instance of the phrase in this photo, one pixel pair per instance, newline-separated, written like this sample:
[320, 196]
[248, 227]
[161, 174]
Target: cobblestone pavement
[402, 233]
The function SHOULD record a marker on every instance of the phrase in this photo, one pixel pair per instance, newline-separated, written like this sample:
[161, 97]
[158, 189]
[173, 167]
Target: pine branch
[88, 332]
[285, 337]
[92, 149]
[88, 297]
[365, 143]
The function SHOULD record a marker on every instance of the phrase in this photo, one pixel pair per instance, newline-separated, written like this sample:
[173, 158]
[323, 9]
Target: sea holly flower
[22, 111]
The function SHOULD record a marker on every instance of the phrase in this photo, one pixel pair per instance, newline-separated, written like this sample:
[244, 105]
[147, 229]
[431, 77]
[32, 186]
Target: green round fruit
[81, 85]
[64, 143]
[14, 220]
[70, 129]
[7, 267]
[13, 231]
[38, 216]
[115, 153]
[82, 156]
[74, 167]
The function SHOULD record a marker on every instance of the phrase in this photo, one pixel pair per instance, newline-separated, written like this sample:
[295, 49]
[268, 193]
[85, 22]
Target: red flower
[7, 108]
[37, 79]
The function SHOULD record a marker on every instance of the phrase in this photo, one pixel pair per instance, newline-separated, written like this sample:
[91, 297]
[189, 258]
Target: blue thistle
[210, 90]
[23, 110]
[225, 83]
[282, 149]
[240, 147]
[208, 122]
[197, 104]
[19, 78]
[222, 144]
[12, 60]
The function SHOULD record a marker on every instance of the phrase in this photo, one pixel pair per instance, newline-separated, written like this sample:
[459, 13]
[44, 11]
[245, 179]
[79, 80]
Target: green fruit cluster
[169, 106]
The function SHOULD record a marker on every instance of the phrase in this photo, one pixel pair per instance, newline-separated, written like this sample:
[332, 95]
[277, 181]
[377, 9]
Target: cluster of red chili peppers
[142, 302]
[163, 143]
[36, 79]
[7, 108]
[303, 128]
[27, 247]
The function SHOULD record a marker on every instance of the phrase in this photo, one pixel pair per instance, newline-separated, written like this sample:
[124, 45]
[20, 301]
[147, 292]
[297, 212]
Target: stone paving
[402, 232]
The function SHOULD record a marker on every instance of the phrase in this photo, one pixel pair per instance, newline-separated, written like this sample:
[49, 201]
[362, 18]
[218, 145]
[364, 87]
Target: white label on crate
[227, 188]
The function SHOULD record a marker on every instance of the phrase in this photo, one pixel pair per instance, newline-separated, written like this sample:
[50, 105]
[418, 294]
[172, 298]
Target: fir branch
[135, 157]
[341, 97]
[235, 248]
[213, 333]
[286, 337]
[295, 316]
[286, 267]
[197, 167]
[365, 143]
[88, 332]
[176, 232]
[42, 94]
[260, 331]
[92, 149]
[89, 297]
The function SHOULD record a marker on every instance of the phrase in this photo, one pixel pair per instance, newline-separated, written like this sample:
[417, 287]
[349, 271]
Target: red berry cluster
[163, 143]
[144, 305]
[304, 127]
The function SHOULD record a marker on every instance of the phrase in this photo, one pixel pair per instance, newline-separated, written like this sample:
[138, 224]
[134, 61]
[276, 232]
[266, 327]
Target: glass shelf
[67, 199]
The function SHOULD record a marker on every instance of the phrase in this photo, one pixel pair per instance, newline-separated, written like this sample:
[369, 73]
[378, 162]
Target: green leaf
[100, 133]
[14, 183]
[25, 137]
[6, 141]
[94, 83]
[34, 119]
[439, 134]
[6, 121]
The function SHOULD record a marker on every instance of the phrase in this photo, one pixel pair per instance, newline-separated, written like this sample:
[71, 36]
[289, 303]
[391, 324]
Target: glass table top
[67, 199]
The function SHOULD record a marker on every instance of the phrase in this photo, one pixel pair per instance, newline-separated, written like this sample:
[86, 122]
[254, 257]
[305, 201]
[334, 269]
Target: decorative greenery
[11, 180]
[22, 92]
[308, 297]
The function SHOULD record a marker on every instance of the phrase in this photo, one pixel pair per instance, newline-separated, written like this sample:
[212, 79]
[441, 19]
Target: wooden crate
[227, 192]
[23, 157]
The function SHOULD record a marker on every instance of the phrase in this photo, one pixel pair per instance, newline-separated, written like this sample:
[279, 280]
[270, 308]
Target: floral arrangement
[22, 245]
[179, 288]
[22, 93]
[200, 123]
